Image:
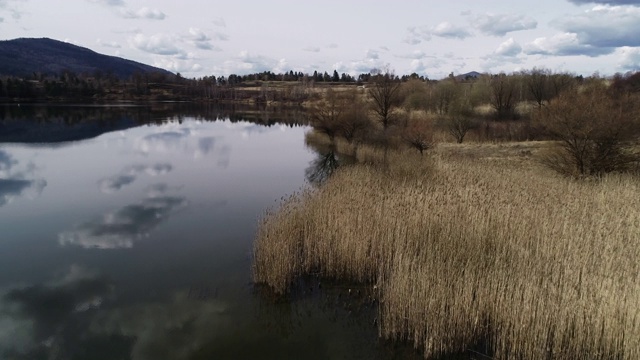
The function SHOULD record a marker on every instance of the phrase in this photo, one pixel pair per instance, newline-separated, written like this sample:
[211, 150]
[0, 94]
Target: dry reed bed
[533, 265]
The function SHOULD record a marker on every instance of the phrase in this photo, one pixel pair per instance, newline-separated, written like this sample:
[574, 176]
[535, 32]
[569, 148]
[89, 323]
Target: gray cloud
[123, 227]
[603, 26]
[312, 49]
[501, 24]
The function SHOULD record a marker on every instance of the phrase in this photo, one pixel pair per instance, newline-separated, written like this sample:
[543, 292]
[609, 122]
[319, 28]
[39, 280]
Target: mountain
[23, 57]
[469, 75]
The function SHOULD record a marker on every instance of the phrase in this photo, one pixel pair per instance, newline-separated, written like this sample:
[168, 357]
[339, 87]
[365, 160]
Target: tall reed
[531, 264]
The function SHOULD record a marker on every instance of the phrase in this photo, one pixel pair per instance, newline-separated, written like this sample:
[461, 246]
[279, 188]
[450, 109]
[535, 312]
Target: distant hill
[23, 57]
[469, 75]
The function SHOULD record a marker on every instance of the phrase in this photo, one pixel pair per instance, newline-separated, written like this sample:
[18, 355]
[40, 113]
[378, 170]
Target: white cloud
[501, 24]
[143, 13]
[606, 2]
[159, 44]
[219, 22]
[417, 66]
[246, 62]
[108, 2]
[109, 44]
[416, 35]
[416, 54]
[201, 40]
[220, 36]
[629, 58]
[565, 44]
[445, 29]
[448, 30]
[281, 67]
[508, 48]
[372, 54]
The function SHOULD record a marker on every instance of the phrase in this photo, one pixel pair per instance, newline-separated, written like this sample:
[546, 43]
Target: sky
[432, 38]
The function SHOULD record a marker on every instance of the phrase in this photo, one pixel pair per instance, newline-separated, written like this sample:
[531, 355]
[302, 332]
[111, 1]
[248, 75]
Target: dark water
[126, 233]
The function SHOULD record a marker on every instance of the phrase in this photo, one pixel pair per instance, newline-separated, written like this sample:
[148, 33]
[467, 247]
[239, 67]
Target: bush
[597, 134]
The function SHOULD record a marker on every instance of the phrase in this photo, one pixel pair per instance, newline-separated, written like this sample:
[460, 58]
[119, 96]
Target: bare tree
[503, 91]
[418, 134]
[385, 95]
[326, 115]
[596, 133]
[458, 125]
[561, 83]
[355, 120]
[538, 85]
[446, 92]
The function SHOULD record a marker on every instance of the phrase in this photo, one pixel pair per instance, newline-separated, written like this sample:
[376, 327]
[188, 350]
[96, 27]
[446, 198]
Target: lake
[126, 233]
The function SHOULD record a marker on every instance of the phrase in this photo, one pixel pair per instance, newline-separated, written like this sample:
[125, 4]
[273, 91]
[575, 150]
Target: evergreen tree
[335, 77]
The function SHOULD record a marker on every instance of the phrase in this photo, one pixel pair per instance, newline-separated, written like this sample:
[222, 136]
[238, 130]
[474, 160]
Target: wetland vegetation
[518, 249]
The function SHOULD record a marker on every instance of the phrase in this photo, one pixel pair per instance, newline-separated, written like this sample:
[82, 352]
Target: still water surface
[129, 236]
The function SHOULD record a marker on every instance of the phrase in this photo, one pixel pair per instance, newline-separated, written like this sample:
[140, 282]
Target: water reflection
[130, 174]
[180, 199]
[327, 161]
[121, 228]
[175, 329]
[38, 319]
[6, 162]
[14, 182]
[65, 123]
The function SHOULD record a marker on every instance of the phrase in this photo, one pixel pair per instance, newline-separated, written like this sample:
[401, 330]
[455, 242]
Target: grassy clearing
[462, 250]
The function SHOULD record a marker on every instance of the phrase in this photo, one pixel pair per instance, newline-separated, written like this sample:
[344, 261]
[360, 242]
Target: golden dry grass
[468, 249]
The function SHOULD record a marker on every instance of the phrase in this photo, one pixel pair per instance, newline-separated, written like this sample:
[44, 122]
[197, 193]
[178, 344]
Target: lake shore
[473, 244]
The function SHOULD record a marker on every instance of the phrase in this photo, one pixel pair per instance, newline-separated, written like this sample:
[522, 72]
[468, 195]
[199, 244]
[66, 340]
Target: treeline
[596, 121]
[161, 86]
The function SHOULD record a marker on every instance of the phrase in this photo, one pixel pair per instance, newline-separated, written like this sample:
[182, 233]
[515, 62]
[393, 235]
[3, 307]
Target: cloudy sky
[432, 38]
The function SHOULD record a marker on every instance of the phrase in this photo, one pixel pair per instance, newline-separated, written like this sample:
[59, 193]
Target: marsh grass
[467, 250]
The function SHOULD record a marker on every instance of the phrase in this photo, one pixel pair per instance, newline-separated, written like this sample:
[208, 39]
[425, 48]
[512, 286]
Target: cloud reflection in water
[123, 227]
[38, 316]
[130, 174]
